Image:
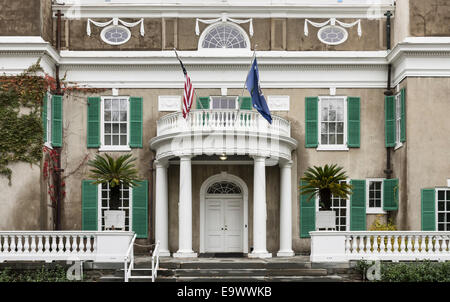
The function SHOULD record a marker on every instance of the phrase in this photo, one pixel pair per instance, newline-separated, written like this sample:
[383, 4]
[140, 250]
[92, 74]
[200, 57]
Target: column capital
[286, 164]
[185, 157]
[258, 158]
[161, 164]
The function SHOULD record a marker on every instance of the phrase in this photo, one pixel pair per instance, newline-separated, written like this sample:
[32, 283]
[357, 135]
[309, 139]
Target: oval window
[116, 34]
[332, 35]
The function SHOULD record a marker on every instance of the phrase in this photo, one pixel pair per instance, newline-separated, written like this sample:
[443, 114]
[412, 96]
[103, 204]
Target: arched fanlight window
[224, 187]
[224, 35]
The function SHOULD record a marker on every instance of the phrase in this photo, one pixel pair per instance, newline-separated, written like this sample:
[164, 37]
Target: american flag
[188, 95]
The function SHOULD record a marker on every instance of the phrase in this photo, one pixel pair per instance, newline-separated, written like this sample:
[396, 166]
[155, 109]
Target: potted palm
[117, 173]
[325, 182]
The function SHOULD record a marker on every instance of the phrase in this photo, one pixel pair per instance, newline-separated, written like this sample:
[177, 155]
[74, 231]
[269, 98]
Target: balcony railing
[379, 245]
[222, 120]
[48, 246]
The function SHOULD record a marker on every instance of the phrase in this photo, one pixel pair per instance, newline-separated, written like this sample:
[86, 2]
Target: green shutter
[203, 102]
[428, 210]
[390, 194]
[93, 122]
[353, 118]
[307, 214]
[358, 205]
[246, 102]
[89, 203]
[311, 122]
[57, 117]
[44, 116]
[136, 122]
[402, 115]
[389, 111]
[140, 209]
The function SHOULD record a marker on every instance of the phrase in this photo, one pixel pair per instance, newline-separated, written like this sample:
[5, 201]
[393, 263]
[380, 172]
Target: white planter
[115, 218]
[326, 220]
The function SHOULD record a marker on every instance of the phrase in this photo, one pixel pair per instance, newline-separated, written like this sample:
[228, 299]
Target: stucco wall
[400, 22]
[268, 35]
[429, 18]
[20, 18]
[20, 202]
[428, 143]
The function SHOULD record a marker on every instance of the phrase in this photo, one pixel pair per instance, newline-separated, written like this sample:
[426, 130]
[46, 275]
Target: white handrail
[129, 256]
[155, 264]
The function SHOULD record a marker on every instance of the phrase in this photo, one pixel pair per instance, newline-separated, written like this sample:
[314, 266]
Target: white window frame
[103, 147]
[332, 43]
[445, 189]
[103, 35]
[48, 142]
[340, 147]
[100, 208]
[374, 210]
[211, 101]
[398, 118]
[347, 210]
[207, 29]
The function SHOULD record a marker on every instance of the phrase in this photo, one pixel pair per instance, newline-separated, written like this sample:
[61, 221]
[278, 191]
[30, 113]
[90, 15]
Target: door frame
[224, 176]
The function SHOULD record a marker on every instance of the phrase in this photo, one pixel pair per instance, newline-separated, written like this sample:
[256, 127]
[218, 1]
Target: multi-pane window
[125, 204]
[224, 102]
[443, 209]
[332, 117]
[374, 197]
[115, 121]
[340, 206]
[398, 119]
[224, 35]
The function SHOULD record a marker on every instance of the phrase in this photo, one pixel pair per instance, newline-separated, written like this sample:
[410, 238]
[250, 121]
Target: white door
[224, 225]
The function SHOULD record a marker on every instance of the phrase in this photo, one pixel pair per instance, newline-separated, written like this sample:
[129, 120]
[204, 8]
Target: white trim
[99, 208]
[223, 176]
[436, 191]
[377, 210]
[103, 33]
[336, 147]
[398, 116]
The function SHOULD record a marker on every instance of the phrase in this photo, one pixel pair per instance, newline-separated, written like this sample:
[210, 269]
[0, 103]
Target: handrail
[127, 269]
[155, 266]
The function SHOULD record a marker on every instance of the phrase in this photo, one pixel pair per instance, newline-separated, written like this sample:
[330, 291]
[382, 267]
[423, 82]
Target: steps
[238, 270]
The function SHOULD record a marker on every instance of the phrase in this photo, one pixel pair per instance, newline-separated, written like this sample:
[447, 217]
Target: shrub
[43, 274]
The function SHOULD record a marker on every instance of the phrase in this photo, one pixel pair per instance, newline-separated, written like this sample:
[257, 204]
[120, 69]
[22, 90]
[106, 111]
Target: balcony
[224, 131]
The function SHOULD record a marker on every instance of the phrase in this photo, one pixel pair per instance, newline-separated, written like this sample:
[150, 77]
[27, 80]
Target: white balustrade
[332, 246]
[48, 246]
[222, 120]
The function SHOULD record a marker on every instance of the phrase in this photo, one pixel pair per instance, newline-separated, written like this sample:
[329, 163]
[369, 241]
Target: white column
[162, 209]
[259, 209]
[185, 210]
[285, 211]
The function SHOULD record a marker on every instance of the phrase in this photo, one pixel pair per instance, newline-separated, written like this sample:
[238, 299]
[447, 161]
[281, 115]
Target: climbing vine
[21, 99]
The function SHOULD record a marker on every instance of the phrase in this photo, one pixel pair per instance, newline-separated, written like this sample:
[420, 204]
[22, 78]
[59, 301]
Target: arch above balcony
[217, 132]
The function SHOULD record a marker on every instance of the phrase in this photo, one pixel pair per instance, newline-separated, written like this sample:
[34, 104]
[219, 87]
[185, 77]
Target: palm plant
[325, 182]
[115, 172]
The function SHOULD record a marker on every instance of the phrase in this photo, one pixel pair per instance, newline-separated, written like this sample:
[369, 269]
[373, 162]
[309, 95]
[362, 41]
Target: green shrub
[43, 274]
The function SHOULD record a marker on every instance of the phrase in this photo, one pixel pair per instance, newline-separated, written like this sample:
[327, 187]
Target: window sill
[48, 145]
[332, 148]
[375, 211]
[114, 148]
[398, 145]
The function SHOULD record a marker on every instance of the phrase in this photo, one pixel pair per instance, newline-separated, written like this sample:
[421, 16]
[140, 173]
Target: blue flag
[258, 100]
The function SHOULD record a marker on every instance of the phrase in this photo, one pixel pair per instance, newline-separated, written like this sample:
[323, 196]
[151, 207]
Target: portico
[245, 139]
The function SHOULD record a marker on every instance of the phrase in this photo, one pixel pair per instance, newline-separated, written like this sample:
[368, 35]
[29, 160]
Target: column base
[164, 254]
[260, 255]
[185, 255]
[285, 254]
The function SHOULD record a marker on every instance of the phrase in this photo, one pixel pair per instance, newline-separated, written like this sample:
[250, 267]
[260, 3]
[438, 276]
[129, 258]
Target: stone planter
[326, 220]
[115, 219]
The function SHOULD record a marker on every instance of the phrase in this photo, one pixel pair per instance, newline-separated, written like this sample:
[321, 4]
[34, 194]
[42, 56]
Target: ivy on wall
[21, 131]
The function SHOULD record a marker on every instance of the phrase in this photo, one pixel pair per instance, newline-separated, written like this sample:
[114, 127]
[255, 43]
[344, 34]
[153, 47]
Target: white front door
[224, 224]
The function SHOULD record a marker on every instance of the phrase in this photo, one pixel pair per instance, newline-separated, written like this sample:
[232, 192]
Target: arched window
[224, 187]
[224, 35]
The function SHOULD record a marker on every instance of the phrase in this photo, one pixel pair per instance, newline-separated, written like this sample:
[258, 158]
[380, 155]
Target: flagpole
[243, 88]
[195, 92]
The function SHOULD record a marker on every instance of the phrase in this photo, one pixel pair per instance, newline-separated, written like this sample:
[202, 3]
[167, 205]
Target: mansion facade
[362, 84]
